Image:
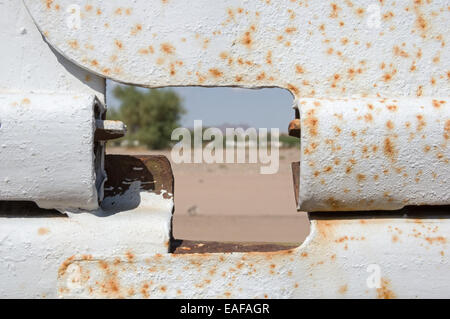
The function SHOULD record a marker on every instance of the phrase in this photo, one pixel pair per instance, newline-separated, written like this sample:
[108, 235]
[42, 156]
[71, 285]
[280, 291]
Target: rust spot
[230, 13]
[419, 90]
[290, 30]
[62, 269]
[172, 69]
[118, 44]
[392, 107]
[223, 55]
[343, 289]
[261, 76]
[144, 290]
[312, 123]
[130, 256]
[167, 48]
[394, 238]
[332, 202]
[361, 177]
[368, 117]
[143, 51]
[215, 73]
[299, 69]
[73, 44]
[43, 231]
[390, 125]
[334, 11]
[447, 130]
[438, 239]
[436, 59]
[137, 28]
[269, 57]
[247, 38]
[385, 292]
[420, 122]
[293, 88]
[399, 52]
[421, 23]
[48, 3]
[389, 149]
[387, 77]
[103, 265]
[111, 286]
[388, 15]
[437, 104]
[341, 239]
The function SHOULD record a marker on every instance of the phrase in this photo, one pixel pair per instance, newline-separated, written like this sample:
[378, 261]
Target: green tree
[150, 115]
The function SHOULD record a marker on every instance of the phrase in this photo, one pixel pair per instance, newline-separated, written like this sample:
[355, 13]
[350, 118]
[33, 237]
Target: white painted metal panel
[313, 48]
[348, 258]
[47, 150]
[29, 64]
[374, 154]
[32, 249]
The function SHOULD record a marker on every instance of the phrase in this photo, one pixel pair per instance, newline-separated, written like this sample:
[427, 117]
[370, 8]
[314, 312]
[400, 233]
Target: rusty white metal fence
[371, 83]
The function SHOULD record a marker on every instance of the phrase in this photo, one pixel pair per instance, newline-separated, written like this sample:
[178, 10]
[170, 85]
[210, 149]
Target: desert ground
[234, 202]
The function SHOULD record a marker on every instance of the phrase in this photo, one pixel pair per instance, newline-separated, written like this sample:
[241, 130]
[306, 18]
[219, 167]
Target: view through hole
[230, 202]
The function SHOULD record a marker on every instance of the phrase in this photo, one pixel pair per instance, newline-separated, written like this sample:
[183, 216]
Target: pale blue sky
[269, 108]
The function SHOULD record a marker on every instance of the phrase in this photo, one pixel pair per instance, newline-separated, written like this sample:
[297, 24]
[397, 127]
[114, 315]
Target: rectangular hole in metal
[223, 207]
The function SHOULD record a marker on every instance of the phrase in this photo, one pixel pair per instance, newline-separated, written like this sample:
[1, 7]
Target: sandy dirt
[234, 202]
